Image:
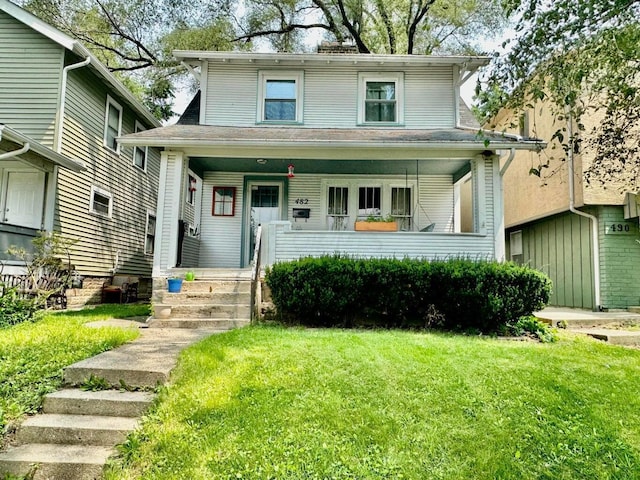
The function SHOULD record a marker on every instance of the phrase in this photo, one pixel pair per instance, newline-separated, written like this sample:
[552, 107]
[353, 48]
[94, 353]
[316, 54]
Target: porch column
[478, 168]
[499, 249]
[172, 168]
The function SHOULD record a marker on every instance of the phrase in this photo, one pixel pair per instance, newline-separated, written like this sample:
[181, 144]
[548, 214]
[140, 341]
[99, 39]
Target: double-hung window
[140, 153]
[381, 99]
[280, 97]
[401, 206]
[150, 234]
[369, 201]
[112, 124]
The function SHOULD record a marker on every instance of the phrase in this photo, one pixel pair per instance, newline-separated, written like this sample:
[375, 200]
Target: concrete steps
[77, 431]
[216, 299]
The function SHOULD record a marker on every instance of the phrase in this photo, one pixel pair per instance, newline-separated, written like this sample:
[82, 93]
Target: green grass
[33, 354]
[272, 403]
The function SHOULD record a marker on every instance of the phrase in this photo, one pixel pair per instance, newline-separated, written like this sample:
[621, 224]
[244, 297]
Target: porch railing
[255, 272]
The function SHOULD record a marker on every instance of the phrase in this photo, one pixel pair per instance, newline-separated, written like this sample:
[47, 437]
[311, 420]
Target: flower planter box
[376, 226]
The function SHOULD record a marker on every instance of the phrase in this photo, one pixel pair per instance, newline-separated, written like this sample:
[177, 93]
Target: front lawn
[33, 354]
[274, 403]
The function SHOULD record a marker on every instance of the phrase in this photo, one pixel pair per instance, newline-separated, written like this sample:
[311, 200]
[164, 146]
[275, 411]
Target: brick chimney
[337, 47]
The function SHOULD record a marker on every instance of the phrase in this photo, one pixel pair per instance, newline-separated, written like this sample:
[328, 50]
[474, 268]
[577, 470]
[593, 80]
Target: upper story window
[280, 97]
[381, 98]
[112, 124]
[140, 153]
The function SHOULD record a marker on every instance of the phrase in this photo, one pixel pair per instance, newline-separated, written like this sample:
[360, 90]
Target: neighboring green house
[57, 95]
[583, 235]
[307, 145]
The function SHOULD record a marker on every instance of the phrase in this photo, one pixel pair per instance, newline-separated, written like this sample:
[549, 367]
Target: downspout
[594, 219]
[14, 153]
[63, 98]
[512, 154]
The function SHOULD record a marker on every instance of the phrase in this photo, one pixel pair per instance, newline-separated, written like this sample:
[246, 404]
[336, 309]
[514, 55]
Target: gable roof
[76, 47]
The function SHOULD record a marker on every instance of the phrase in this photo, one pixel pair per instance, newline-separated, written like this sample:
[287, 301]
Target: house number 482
[301, 201]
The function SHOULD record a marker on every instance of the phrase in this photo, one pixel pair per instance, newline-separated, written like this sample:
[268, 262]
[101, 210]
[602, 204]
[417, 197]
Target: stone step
[204, 298]
[55, 462]
[612, 336]
[211, 311]
[75, 429]
[634, 309]
[112, 403]
[221, 324]
[216, 286]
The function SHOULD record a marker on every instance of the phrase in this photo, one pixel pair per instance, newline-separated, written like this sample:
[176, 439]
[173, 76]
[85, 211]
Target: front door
[23, 199]
[265, 206]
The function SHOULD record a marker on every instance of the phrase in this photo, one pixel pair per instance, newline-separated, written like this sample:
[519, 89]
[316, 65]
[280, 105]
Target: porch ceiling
[278, 166]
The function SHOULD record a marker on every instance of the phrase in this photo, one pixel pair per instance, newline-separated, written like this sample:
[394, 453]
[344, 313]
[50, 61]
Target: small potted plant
[189, 276]
[377, 224]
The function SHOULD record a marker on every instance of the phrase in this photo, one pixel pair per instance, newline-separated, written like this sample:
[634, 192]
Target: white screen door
[264, 208]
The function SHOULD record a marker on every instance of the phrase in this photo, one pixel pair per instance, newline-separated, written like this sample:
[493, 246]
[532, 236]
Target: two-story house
[55, 94]
[583, 235]
[304, 145]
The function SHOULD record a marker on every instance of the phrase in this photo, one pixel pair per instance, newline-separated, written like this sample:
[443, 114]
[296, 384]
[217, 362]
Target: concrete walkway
[615, 327]
[77, 431]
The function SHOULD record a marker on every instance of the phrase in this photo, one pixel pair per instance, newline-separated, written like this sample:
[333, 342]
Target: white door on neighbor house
[23, 198]
[265, 206]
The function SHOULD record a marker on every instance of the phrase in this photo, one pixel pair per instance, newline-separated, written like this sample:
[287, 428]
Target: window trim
[366, 77]
[117, 106]
[150, 213]
[104, 193]
[233, 202]
[263, 76]
[140, 128]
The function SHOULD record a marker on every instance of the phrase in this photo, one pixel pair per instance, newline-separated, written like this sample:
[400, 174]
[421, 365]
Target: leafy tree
[380, 26]
[581, 57]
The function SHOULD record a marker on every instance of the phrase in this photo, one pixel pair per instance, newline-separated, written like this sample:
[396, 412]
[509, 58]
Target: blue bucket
[174, 285]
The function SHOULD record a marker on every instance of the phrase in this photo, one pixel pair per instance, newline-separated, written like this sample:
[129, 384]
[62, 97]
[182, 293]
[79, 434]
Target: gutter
[63, 98]
[594, 220]
[37, 148]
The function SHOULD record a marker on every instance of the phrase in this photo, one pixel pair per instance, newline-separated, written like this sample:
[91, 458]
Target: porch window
[140, 153]
[401, 206]
[381, 98]
[280, 97]
[369, 201]
[101, 202]
[150, 234]
[224, 201]
[338, 207]
[112, 124]
[191, 190]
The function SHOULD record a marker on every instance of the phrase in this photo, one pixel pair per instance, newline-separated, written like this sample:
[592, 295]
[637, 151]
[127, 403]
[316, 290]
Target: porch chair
[126, 288]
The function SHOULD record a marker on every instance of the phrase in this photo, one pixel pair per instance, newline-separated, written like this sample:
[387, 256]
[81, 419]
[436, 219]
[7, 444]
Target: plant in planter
[189, 276]
[377, 224]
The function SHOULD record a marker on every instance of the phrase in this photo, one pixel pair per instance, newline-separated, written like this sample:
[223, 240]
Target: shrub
[456, 294]
[14, 307]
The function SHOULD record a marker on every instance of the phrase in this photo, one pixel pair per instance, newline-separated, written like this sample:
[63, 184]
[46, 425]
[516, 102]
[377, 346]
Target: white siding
[221, 237]
[291, 245]
[330, 95]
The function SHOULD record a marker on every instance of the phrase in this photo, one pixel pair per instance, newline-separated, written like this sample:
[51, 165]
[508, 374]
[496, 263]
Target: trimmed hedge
[452, 294]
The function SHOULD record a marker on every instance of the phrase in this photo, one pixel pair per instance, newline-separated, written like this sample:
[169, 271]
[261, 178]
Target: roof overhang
[76, 47]
[326, 143]
[467, 64]
[19, 140]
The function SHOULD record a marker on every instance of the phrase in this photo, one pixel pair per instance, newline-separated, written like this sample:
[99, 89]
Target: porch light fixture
[290, 173]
